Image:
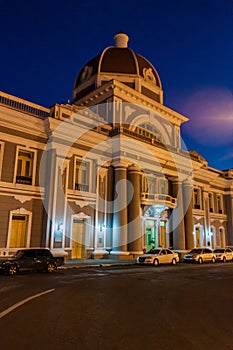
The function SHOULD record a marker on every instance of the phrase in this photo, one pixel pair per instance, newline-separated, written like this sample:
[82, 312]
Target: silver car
[158, 256]
[200, 255]
[223, 254]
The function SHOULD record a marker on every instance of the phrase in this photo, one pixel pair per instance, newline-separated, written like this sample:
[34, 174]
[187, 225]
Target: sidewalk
[83, 263]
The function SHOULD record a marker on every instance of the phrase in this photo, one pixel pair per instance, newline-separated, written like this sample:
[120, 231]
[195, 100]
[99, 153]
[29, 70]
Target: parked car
[223, 254]
[200, 255]
[158, 256]
[30, 259]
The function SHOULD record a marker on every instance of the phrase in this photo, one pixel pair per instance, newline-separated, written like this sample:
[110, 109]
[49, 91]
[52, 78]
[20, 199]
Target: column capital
[119, 164]
[134, 168]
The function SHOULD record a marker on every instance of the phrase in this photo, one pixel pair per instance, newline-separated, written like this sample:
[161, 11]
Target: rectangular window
[219, 204]
[24, 167]
[1, 156]
[82, 176]
[197, 198]
[162, 187]
[211, 203]
[150, 185]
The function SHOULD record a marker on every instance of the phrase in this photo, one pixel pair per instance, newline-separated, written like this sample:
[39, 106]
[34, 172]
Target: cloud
[211, 116]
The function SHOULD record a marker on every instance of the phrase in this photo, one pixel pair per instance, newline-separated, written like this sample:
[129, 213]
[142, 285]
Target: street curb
[67, 267]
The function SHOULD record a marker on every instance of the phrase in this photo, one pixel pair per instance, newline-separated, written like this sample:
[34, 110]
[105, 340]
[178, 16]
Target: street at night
[128, 307]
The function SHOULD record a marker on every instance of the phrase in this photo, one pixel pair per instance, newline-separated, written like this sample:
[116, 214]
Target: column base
[99, 254]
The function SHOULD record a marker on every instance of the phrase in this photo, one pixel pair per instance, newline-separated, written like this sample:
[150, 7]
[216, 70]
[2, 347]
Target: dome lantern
[121, 40]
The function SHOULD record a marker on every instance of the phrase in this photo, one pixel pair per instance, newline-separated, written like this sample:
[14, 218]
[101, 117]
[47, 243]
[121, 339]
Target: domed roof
[119, 60]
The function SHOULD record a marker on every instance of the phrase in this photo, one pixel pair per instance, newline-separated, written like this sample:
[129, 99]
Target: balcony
[161, 199]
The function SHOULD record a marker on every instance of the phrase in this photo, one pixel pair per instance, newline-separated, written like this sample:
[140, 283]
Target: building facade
[107, 174]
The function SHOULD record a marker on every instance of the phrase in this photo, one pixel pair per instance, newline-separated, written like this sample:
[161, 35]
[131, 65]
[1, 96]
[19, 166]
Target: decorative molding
[22, 199]
[81, 204]
[21, 211]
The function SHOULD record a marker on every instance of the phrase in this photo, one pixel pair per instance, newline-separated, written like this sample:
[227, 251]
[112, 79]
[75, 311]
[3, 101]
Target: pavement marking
[15, 306]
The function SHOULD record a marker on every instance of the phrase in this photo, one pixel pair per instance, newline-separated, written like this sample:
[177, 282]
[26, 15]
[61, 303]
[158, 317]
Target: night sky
[44, 44]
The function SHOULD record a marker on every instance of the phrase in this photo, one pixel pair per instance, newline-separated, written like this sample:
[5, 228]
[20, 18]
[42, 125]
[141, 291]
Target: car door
[27, 260]
[163, 256]
[207, 254]
[42, 257]
[229, 254]
[170, 256]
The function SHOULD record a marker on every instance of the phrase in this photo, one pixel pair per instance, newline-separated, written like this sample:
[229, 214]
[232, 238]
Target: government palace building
[107, 174]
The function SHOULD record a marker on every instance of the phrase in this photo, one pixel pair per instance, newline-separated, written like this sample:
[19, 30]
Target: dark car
[30, 259]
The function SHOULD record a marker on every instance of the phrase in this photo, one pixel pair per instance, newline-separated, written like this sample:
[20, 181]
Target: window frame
[34, 162]
[25, 212]
[2, 146]
[89, 182]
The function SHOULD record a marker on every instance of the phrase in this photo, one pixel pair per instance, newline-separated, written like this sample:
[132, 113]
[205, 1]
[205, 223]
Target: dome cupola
[121, 63]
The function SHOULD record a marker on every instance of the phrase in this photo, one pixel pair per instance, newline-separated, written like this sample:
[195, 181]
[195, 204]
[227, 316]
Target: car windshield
[218, 250]
[153, 251]
[18, 254]
[195, 251]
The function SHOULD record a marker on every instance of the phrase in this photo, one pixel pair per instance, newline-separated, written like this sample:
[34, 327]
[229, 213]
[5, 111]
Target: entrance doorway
[221, 238]
[18, 234]
[198, 236]
[79, 228]
[162, 234]
[151, 234]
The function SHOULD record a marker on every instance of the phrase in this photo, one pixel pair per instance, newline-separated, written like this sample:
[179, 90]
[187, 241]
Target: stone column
[188, 214]
[178, 218]
[134, 210]
[109, 207]
[120, 238]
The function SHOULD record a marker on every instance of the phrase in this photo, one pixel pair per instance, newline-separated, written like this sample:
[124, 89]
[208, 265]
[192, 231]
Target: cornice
[132, 96]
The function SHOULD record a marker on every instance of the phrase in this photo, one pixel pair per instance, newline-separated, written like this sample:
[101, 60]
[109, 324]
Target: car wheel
[224, 259]
[173, 261]
[50, 267]
[156, 262]
[12, 270]
[200, 261]
[213, 260]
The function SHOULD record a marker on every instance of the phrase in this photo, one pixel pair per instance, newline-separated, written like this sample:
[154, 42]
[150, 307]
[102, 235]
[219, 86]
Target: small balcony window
[82, 176]
[150, 184]
[24, 167]
[197, 198]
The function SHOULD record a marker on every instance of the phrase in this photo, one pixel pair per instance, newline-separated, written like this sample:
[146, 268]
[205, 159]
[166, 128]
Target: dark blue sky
[190, 42]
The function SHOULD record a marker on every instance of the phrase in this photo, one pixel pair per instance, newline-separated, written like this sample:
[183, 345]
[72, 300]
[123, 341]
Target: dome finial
[121, 40]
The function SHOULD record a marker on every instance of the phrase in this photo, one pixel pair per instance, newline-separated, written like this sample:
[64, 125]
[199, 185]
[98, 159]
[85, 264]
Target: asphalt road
[119, 308]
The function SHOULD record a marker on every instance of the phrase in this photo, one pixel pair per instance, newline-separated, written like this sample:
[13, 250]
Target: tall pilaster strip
[229, 212]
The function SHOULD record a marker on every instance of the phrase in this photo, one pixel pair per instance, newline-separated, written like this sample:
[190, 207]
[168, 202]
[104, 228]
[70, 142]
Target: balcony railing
[162, 199]
[23, 105]
[82, 187]
[26, 180]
